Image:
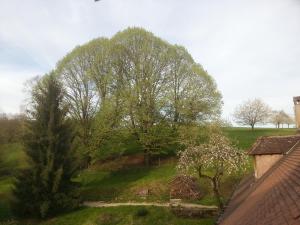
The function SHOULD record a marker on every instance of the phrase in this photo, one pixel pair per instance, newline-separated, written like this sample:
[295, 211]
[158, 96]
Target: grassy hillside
[119, 216]
[125, 216]
[121, 180]
[12, 158]
[123, 184]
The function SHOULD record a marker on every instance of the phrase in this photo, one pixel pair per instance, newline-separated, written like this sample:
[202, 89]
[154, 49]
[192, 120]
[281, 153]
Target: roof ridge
[279, 136]
[292, 148]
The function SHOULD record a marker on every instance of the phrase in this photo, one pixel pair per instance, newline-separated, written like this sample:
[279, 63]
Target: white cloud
[12, 94]
[251, 48]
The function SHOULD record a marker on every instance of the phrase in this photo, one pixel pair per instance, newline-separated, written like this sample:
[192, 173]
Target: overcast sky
[251, 48]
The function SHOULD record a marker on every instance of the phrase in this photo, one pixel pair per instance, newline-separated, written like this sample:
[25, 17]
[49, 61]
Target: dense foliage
[45, 188]
[10, 128]
[135, 85]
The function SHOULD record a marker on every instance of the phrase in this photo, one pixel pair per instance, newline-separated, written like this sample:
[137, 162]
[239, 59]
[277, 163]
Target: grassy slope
[117, 216]
[124, 216]
[13, 158]
[122, 184]
[5, 187]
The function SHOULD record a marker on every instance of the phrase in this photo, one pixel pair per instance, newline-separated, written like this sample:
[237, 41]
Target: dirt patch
[119, 163]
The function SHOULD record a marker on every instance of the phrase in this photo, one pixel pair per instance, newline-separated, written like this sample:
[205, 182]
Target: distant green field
[245, 137]
[116, 183]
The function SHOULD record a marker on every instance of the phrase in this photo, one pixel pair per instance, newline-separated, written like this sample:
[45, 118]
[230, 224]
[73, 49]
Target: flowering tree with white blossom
[211, 161]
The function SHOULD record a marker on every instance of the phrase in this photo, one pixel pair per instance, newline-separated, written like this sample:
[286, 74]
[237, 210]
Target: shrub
[142, 212]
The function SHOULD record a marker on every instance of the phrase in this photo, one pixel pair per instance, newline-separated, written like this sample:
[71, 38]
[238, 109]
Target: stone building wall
[262, 163]
[297, 115]
[297, 110]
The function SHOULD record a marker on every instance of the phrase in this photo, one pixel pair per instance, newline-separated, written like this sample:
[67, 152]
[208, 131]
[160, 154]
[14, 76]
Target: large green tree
[161, 84]
[136, 82]
[143, 60]
[45, 187]
[81, 94]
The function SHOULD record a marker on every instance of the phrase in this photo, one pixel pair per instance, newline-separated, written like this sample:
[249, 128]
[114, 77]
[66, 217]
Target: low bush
[142, 212]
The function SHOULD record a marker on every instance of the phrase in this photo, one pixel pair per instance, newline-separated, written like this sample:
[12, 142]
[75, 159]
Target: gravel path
[104, 204]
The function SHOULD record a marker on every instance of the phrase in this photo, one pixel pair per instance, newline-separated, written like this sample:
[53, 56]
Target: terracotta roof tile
[273, 145]
[272, 200]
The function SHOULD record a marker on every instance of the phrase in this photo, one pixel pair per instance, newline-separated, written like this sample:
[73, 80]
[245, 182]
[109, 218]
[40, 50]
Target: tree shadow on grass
[101, 186]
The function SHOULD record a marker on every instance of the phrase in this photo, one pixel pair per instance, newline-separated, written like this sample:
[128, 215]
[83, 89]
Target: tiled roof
[296, 99]
[239, 195]
[273, 145]
[272, 200]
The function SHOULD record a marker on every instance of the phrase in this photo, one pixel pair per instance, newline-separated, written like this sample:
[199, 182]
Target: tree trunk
[252, 127]
[215, 186]
[217, 194]
[146, 157]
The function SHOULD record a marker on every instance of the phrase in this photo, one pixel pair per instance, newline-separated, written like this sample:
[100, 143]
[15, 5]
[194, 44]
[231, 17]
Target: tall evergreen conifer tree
[45, 188]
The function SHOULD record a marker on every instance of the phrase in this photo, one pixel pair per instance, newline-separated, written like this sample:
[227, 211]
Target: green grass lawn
[124, 216]
[108, 182]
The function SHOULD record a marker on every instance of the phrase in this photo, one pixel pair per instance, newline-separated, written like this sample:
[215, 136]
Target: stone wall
[262, 163]
[192, 210]
[297, 115]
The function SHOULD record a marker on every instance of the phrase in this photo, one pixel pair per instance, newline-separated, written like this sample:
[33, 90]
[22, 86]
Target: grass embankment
[128, 215]
[117, 181]
[125, 216]
[124, 184]
[111, 182]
